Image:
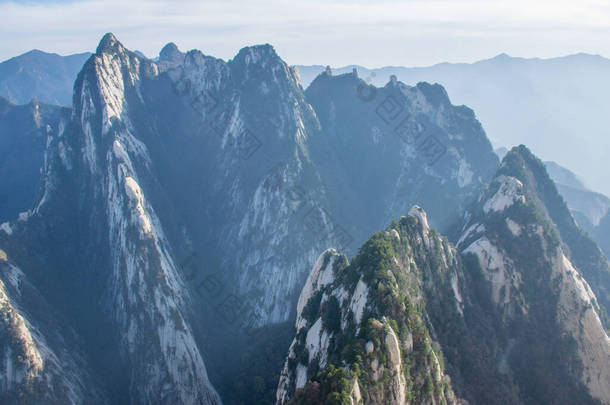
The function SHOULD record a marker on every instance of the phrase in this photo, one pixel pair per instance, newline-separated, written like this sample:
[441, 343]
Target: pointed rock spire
[170, 53]
[418, 213]
[109, 44]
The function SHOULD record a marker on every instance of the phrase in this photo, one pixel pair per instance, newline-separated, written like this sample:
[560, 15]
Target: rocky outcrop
[386, 149]
[96, 180]
[361, 327]
[41, 359]
[185, 201]
[550, 316]
[508, 318]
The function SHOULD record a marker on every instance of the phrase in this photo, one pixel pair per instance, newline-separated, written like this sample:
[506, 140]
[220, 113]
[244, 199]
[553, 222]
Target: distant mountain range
[591, 210]
[46, 77]
[558, 106]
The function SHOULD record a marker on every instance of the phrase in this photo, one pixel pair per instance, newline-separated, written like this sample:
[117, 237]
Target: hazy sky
[335, 32]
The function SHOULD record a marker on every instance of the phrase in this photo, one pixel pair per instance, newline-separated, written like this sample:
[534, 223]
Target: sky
[328, 32]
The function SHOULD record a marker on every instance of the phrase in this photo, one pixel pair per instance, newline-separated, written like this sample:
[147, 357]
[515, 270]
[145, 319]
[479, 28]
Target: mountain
[386, 149]
[108, 270]
[184, 201]
[46, 77]
[507, 317]
[529, 88]
[602, 234]
[501, 152]
[547, 104]
[563, 176]
[588, 207]
[43, 359]
[548, 282]
[591, 210]
[551, 207]
[362, 333]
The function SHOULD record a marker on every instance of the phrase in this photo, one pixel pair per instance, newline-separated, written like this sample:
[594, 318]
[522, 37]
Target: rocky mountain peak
[171, 53]
[434, 93]
[109, 44]
[358, 326]
[418, 213]
[256, 54]
[537, 262]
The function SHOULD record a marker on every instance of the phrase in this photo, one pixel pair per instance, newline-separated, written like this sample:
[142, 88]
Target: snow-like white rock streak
[137, 201]
[320, 276]
[393, 345]
[35, 351]
[359, 300]
[317, 343]
[6, 227]
[15, 324]
[580, 318]
[509, 192]
[472, 230]
[317, 337]
[495, 267]
[146, 297]
[456, 292]
[514, 227]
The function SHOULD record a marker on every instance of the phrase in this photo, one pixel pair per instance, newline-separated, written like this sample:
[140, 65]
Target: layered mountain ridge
[42, 76]
[185, 200]
[504, 318]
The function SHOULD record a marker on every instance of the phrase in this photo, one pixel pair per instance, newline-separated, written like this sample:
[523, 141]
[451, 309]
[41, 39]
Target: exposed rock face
[361, 327]
[527, 249]
[41, 359]
[118, 181]
[512, 318]
[231, 166]
[94, 168]
[602, 234]
[385, 150]
[268, 196]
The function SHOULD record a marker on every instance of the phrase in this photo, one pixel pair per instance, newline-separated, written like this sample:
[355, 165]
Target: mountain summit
[507, 317]
[183, 203]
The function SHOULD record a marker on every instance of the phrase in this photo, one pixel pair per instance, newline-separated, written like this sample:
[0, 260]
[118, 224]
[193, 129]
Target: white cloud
[335, 32]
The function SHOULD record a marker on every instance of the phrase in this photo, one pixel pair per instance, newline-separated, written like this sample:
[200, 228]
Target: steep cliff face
[42, 359]
[113, 247]
[531, 255]
[244, 176]
[577, 245]
[184, 202]
[511, 318]
[602, 234]
[362, 328]
[24, 131]
[152, 167]
[591, 210]
[386, 149]
[259, 186]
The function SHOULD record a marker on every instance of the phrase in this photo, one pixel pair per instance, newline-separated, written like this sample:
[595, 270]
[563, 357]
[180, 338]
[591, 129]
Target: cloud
[336, 32]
